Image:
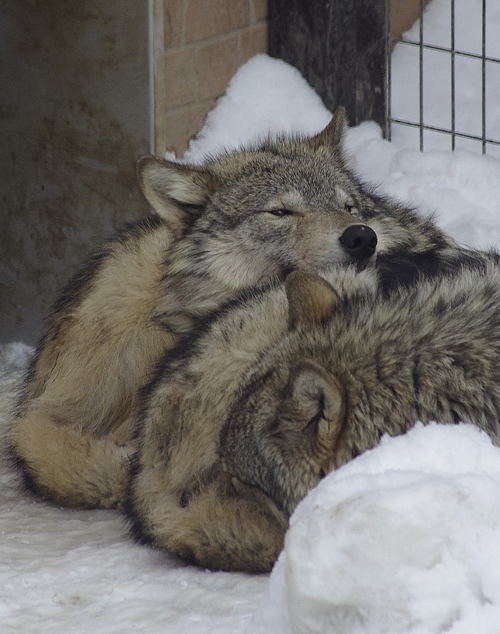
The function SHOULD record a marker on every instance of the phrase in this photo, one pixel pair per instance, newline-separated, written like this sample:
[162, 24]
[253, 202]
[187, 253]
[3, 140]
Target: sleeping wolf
[328, 391]
[304, 381]
[180, 498]
[234, 223]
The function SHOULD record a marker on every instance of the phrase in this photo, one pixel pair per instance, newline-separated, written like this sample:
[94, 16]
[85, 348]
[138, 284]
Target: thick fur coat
[329, 389]
[289, 384]
[234, 224]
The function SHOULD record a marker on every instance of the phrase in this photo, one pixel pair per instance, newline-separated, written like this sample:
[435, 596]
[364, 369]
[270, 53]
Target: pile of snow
[403, 539]
[280, 103]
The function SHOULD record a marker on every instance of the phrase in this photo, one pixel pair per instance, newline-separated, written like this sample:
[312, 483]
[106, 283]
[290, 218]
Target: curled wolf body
[181, 499]
[234, 223]
[282, 388]
[329, 390]
[231, 224]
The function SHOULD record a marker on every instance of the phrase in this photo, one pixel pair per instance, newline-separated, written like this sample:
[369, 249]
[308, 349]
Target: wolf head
[255, 215]
[287, 203]
[284, 426]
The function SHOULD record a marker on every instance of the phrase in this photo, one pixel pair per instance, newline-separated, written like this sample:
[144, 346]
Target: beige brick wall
[198, 46]
[403, 15]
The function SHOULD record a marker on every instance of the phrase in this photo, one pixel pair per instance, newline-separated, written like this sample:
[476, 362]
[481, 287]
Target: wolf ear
[313, 393]
[311, 299]
[176, 192]
[333, 134]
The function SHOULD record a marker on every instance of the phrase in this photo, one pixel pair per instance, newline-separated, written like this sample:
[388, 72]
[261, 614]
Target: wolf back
[328, 391]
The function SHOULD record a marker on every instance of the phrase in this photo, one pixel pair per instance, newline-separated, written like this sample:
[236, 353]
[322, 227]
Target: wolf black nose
[359, 241]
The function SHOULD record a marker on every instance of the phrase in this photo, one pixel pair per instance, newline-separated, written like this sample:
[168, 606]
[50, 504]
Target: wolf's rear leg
[70, 468]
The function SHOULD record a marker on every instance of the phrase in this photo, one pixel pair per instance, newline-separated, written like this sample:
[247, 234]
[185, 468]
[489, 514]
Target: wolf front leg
[223, 525]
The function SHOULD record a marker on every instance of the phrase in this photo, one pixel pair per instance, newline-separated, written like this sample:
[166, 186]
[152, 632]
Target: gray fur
[215, 233]
[181, 499]
[240, 423]
[375, 367]
[218, 230]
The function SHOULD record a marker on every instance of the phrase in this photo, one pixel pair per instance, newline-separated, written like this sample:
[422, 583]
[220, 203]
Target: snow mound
[265, 97]
[406, 538]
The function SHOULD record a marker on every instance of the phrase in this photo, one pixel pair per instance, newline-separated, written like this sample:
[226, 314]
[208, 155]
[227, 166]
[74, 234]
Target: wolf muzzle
[359, 241]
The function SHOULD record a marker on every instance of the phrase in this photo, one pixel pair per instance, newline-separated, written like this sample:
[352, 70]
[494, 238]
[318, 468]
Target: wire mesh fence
[443, 78]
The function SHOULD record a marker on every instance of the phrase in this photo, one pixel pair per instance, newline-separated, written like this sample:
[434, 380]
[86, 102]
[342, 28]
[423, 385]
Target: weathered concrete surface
[74, 118]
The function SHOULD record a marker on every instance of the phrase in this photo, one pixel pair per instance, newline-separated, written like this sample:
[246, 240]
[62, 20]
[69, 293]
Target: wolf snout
[359, 241]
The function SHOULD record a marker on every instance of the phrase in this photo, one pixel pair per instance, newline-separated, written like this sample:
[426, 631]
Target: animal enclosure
[425, 71]
[452, 57]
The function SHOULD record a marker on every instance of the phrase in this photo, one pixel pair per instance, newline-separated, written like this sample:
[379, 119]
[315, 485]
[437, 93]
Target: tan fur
[231, 225]
[182, 500]
[428, 353]
[81, 398]
[308, 295]
[215, 234]
[275, 401]
[74, 461]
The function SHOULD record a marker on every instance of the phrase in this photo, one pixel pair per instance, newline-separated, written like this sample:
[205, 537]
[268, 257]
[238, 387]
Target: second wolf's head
[349, 371]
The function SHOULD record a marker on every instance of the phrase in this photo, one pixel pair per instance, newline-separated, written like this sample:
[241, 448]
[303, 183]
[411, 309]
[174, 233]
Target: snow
[267, 96]
[403, 539]
[406, 538]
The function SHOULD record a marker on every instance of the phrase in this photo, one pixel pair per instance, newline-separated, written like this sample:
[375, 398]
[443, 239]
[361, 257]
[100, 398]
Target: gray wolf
[283, 386]
[330, 389]
[180, 498]
[234, 223]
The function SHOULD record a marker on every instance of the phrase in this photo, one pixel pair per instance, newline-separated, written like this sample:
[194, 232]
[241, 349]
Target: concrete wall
[74, 117]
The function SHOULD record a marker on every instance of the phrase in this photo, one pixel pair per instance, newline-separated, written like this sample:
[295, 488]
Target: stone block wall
[198, 47]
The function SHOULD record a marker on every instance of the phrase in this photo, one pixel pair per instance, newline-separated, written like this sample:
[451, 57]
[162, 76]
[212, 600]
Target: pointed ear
[176, 192]
[311, 299]
[315, 393]
[333, 134]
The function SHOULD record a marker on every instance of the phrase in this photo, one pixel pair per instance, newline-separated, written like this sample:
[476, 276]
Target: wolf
[180, 498]
[231, 224]
[329, 389]
[285, 385]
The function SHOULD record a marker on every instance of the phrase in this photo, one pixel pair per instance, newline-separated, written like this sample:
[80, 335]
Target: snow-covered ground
[403, 540]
